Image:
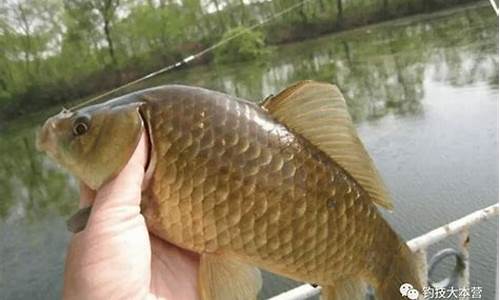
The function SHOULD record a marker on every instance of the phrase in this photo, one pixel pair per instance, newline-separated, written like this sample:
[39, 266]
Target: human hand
[115, 257]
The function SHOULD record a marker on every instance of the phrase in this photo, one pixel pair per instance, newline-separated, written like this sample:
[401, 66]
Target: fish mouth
[44, 138]
[41, 139]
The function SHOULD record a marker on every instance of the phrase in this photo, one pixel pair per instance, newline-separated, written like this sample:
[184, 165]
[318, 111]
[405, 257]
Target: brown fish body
[226, 179]
[231, 180]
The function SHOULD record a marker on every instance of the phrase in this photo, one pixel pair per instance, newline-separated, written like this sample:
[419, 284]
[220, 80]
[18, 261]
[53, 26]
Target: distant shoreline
[52, 95]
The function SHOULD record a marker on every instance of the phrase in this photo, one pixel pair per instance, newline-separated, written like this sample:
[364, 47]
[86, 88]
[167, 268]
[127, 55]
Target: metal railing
[419, 246]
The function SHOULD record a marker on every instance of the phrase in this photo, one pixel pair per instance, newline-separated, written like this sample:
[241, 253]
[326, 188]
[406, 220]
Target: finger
[171, 251]
[87, 195]
[125, 189]
[174, 271]
[114, 252]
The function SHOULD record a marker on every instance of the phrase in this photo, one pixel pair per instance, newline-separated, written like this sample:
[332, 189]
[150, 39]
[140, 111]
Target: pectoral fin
[78, 221]
[221, 278]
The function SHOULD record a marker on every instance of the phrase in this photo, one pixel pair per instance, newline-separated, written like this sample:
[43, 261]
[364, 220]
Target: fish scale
[293, 230]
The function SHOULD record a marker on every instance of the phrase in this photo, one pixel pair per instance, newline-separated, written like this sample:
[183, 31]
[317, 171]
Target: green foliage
[243, 45]
[53, 51]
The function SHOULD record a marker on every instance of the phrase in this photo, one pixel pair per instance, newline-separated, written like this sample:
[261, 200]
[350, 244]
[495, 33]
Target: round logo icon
[408, 291]
[404, 288]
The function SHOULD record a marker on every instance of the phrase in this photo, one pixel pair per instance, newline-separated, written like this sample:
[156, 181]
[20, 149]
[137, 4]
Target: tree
[107, 10]
[340, 15]
[92, 14]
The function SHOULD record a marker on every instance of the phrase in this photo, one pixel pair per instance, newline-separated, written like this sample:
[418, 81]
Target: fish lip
[44, 135]
[40, 141]
[42, 138]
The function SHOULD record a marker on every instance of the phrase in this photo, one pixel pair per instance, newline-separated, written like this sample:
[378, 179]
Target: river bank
[71, 85]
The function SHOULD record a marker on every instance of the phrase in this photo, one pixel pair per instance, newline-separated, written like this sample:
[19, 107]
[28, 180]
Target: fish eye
[81, 125]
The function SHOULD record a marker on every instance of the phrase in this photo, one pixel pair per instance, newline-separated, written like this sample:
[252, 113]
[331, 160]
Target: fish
[285, 185]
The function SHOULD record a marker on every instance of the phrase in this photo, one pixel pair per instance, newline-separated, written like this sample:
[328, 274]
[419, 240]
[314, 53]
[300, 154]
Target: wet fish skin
[229, 181]
[233, 181]
[269, 194]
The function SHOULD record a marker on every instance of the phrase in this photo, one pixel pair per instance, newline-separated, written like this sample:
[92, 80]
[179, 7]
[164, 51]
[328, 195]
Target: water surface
[423, 92]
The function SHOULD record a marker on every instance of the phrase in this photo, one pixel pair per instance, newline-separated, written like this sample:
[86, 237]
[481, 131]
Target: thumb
[125, 189]
[113, 253]
[121, 196]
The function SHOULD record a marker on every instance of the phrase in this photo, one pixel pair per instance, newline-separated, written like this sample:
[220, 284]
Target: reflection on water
[31, 185]
[380, 69]
[411, 74]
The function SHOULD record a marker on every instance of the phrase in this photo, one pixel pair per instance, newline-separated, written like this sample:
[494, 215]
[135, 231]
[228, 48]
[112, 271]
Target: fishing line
[191, 57]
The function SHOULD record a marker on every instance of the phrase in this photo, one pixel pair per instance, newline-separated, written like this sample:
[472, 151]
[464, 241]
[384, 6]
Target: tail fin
[349, 289]
[404, 270]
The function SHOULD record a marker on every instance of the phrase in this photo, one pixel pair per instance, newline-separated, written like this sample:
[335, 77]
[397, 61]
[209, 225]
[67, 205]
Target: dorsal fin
[319, 113]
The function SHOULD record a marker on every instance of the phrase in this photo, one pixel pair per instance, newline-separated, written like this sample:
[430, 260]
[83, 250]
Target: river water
[423, 92]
